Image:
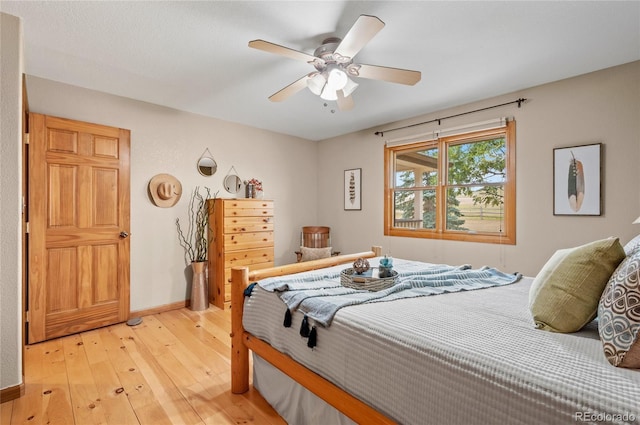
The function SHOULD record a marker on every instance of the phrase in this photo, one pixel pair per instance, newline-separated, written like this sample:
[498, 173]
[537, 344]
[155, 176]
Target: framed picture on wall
[577, 173]
[353, 189]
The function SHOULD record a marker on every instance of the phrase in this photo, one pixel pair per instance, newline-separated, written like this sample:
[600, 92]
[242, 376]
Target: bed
[465, 357]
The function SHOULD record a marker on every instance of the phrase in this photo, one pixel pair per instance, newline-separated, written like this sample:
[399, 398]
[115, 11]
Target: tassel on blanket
[313, 335]
[287, 319]
[304, 327]
[249, 289]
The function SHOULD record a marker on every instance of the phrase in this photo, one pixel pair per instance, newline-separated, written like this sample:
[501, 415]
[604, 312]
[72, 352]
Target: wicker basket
[350, 279]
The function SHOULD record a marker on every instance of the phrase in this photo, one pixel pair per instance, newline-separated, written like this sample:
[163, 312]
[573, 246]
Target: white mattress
[468, 357]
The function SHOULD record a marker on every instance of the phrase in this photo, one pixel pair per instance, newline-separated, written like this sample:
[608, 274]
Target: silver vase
[199, 287]
[250, 190]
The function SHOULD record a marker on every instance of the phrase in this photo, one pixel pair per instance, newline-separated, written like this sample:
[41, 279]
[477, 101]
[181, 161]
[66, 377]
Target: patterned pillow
[632, 246]
[564, 295]
[619, 314]
[309, 254]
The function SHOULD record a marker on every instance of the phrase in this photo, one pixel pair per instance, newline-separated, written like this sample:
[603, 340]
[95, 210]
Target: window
[459, 187]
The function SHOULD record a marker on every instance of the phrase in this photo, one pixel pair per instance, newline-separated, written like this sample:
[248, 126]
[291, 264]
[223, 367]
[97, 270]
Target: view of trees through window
[416, 207]
[461, 178]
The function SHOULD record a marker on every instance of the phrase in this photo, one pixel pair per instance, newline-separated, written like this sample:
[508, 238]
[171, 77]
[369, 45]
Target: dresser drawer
[246, 208]
[231, 204]
[248, 257]
[237, 241]
[247, 224]
[249, 212]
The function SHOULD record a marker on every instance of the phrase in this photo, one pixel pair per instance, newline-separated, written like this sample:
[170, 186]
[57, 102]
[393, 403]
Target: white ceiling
[193, 56]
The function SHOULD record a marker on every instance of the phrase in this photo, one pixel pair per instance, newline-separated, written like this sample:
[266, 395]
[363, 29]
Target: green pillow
[564, 296]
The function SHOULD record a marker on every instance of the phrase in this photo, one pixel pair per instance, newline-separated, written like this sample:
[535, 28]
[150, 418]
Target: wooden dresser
[243, 236]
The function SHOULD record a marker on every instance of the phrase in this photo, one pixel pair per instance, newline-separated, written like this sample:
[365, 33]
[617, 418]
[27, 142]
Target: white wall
[600, 107]
[164, 140]
[10, 197]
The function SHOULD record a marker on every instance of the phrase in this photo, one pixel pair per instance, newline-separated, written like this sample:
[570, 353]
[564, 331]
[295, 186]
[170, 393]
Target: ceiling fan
[334, 65]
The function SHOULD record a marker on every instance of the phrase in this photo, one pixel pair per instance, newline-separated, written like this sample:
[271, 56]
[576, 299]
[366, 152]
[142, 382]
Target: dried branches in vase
[197, 235]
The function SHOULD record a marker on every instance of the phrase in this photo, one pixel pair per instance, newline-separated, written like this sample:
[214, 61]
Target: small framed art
[577, 173]
[353, 189]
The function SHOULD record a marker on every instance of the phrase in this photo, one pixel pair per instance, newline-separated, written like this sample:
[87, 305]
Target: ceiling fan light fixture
[336, 78]
[328, 93]
[316, 84]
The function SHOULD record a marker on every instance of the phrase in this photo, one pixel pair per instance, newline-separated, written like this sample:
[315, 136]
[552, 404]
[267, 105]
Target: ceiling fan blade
[344, 103]
[290, 90]
[364, 29]
[392, 75]
[282, 51]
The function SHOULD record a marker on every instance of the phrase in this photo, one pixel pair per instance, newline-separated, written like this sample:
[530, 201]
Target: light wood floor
[171, 369]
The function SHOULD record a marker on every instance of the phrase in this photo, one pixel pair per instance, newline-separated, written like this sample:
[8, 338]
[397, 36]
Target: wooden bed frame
[242, 342]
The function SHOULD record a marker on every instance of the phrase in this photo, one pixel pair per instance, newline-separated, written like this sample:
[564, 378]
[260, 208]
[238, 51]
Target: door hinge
[27, 227]
[26, 138]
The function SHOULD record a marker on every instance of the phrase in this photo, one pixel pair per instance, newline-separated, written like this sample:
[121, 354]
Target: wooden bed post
[239, 352]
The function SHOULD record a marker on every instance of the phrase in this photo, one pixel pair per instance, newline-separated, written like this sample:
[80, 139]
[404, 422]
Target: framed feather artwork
[577, 173]
[353, 189]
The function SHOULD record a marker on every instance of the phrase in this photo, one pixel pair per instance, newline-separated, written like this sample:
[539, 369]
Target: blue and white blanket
[319, 294]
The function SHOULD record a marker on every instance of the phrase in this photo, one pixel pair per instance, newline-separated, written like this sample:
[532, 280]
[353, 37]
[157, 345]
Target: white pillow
[309, 254]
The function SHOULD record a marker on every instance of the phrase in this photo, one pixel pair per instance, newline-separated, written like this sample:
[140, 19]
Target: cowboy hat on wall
[165, 190]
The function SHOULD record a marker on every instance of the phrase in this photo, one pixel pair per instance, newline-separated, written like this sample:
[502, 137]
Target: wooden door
[78, 227]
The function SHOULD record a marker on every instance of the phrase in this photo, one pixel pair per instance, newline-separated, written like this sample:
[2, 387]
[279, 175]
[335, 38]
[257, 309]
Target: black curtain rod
[438, 120]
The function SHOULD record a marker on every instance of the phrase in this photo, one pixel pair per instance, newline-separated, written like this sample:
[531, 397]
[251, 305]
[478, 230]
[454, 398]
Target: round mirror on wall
[206, 164]
[232, 183]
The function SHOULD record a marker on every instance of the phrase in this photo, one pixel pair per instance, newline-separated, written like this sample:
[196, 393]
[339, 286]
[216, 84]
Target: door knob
[124, 234]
